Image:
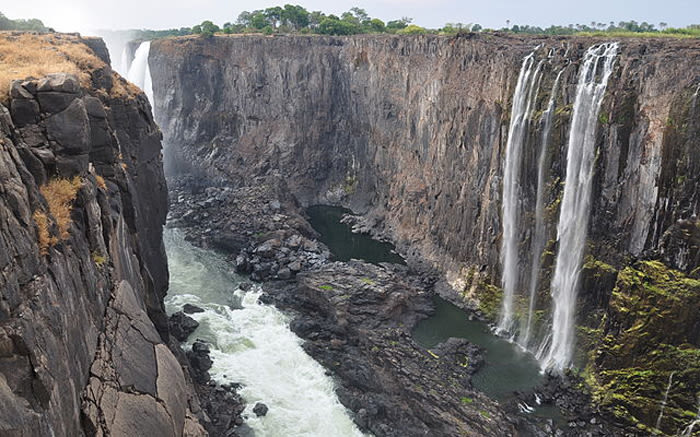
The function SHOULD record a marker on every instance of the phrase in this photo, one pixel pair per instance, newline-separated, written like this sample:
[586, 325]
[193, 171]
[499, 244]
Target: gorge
[546, 185]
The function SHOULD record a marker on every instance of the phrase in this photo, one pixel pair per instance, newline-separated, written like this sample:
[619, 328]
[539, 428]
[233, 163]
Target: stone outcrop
[83, 333]
[410, 132]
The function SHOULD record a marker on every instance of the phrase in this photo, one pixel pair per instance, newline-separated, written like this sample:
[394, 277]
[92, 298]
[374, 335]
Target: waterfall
[124, 62]
[523, 103]
[539, 236]
[139, 72]
[688, 431]
[664, 400]
[576, 201]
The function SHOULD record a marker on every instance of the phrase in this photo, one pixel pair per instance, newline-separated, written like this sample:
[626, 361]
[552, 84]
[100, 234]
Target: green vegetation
[646, 336]
[326, 287]
[466, 400]
[31, 24]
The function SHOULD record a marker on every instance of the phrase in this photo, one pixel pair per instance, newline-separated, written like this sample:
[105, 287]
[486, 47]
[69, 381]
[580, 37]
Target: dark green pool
[343, 243]
[507, 367]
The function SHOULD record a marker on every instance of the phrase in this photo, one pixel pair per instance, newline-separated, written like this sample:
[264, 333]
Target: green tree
[412, 29]
[296, 17]
[207, 29]
[332, 25]
[258, 20]
[375, 25]
[394, 25]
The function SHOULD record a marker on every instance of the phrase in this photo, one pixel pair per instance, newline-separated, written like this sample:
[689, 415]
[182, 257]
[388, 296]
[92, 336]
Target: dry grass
[45, 240]
[59, 195]
[101, 182]
[24, 55]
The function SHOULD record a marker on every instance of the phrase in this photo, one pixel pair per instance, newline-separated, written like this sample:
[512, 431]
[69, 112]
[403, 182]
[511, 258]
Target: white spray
[572, 229]
[523, 103]
[140, 73]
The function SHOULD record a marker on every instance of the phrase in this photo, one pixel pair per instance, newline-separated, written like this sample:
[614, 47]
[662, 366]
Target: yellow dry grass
[59, 195]
[45, 240]
[101, 182]
[24, 55]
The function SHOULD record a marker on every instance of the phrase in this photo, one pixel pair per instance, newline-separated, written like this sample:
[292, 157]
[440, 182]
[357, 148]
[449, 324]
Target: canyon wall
[83, 332]
[411, 133]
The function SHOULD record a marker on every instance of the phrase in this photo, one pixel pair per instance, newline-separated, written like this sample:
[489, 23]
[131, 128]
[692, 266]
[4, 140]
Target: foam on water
[252, 345]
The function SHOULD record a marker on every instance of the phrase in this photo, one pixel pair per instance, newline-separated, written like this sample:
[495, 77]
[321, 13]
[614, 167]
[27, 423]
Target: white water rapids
[251, 344]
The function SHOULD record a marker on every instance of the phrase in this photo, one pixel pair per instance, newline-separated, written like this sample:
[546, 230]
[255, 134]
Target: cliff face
[412, 129]
[83, 271]
[411, 132]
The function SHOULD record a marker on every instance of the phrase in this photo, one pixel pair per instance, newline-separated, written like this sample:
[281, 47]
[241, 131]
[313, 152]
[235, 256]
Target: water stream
[508, 367]
[572, 228]
[252, 345]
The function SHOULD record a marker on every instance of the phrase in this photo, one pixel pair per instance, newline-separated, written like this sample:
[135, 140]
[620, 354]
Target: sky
[85, 16]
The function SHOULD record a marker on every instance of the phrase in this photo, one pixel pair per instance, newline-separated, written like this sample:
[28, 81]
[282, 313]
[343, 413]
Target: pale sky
[85, 15]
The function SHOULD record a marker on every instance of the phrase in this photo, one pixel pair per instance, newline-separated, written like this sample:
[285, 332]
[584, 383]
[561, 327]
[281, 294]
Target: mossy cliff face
[82, 267]
[648, 345]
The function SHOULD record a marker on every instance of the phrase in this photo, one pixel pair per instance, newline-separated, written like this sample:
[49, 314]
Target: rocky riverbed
[356, 319]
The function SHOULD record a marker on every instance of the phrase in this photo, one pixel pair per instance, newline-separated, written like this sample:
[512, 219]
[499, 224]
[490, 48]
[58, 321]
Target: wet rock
[181, 325]
[260, 409]
[191, 309]
[242, 264]
[200, 361]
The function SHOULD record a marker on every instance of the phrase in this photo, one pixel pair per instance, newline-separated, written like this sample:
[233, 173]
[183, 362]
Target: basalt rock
[83, 332]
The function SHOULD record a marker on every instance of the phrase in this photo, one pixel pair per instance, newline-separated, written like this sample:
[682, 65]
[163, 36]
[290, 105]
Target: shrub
[59, 195]
[45, 240]
[101, 182]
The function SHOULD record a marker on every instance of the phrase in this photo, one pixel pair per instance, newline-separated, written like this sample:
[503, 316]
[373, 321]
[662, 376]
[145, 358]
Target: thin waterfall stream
[539, 236]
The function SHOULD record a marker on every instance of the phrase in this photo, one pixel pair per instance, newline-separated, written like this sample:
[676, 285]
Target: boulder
[260, 409]
[181, 326]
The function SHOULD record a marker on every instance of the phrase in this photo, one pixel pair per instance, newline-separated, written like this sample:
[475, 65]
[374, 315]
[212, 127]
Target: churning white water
[139, 71]
[539, 237]
[523, 103]
[252, 345]
[576, 202]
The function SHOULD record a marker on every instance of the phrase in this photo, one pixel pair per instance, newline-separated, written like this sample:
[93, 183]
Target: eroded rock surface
[83, 332]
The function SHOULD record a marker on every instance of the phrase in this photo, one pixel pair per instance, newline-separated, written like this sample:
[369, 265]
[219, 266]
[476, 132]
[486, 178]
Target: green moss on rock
[647, 335]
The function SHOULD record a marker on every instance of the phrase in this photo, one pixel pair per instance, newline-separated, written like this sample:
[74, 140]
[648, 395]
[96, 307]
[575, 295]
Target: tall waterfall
[575, 205]
[139, 72]
[124, 62]
[523, 103]
[539, 237]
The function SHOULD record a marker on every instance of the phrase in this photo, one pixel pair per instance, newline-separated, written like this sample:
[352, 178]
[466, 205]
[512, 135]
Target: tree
[394, 25]
[295, 16]
[412, 29]
[315, 19]
[207, 29]
[375, 25]
[258, 20]
[273, 15]
[332, 25]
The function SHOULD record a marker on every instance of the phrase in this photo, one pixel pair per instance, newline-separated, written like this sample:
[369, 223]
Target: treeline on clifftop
[295, 19]
[31, 24]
